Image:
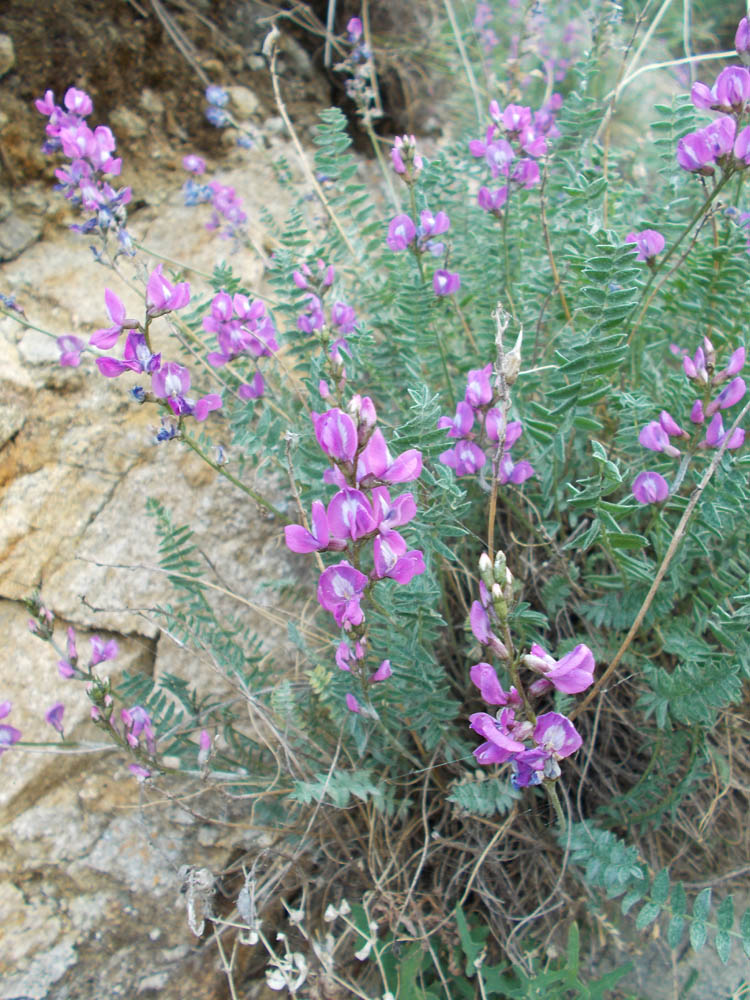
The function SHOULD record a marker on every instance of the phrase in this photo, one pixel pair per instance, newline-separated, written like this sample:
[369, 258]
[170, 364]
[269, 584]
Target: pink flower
[106, 339]
[485, 678]
[401, 232]
[742, 40]
[336, 434]
[557, 735]
[54, 716]
[648, 242]
[299, 539]
[445, 282]
[382, 673]
[376, 464]
[162, 296]
[70, 350]
[102, 650]
[194, 164]
[571, 674]
[352, 704]
[650, 487]
[340, 590]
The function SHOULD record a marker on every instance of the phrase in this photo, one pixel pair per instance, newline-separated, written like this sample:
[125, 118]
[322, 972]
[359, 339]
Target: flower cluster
[419, 238]
[169, 381]
[406, 161]
[533, 744]
[228, 214]
[89, 152]
[486, 35]
[705, 415]
[241, 327]
[331, 332]
[360, 520]
[724, 143]
[472, 447]
[515, 139]
[217, 99]
[101, 651]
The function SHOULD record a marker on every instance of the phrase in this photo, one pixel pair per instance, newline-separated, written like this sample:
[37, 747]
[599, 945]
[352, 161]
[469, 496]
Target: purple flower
[217, 96]
[340, 590]
[557, 735]
[376, 464]
[478, 388]
[460, 426]
[350, 515]
[694, 153]
[253, 389]
[139, 772]
[70, 350]
[382, 673]
[736, 364]
[392, 560]
[731, 393]
[401, 232]
[405, 158]
[720, 137]
[529, 767]
[481, 626]
[732, 88]
[465, 458]
[171, 381]
[137, 723]
[742, 40]
[344, 653]
[194, 164]
[8, 736]
[650, 487]
[299, 539]
[655, 438]
[336, 434]
[352, 704]
[572, 674]
[648, 242]
[343, 317]
[703, 98]
[162, 296]
[526, 172]
[390, 514]
[204, 747]
[54, 716]
[502, 733]
[106, 339]
[354, 29]
[485, 678]
[136, 357]
[102, 650]
[492, 201]
[445, 282]
[715, 435]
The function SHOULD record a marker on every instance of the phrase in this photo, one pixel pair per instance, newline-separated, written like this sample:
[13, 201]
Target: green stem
[549, 787]
[506, 258]
[673, 250]
[257, 497]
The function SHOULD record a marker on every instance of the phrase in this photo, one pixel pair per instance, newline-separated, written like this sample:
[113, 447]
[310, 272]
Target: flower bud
[500, 567]
[485, 570]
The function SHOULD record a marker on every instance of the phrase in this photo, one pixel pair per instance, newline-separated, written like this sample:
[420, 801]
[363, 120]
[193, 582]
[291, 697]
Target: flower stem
[257, 497]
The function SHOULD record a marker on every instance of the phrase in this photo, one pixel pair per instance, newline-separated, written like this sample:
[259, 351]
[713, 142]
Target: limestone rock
[7, 54]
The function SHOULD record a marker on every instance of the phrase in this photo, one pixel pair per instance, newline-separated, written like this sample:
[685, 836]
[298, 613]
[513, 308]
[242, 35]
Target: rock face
[90, 900]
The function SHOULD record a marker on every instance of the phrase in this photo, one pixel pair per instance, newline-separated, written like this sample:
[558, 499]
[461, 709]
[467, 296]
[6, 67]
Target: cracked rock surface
[90, 901]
